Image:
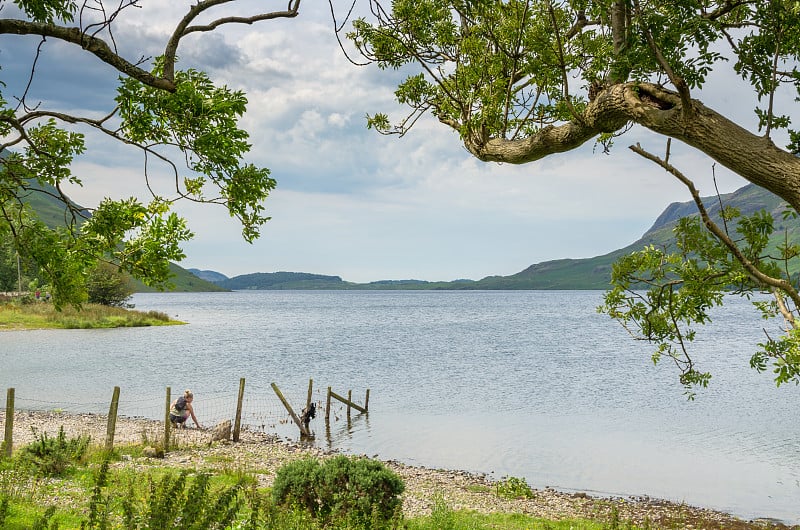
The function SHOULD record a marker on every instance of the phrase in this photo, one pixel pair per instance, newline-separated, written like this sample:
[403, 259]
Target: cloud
[350, 201]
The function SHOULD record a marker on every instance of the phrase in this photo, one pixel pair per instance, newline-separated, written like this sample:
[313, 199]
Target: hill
[183, 281]
[53, 213]
[283, 281]
[595, 273]
[587, 273]
[209, 276]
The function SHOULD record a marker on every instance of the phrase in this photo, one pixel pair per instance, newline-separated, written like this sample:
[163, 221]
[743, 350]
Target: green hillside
[183, 281]
[53, 213]
[588, 273]
[595, 273]
[284, 281]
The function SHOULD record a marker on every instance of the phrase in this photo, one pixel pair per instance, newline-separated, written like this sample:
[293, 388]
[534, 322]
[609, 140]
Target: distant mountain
[283, 281]
[595, 273]
[209, 276]
[588, 273]
[183, 281]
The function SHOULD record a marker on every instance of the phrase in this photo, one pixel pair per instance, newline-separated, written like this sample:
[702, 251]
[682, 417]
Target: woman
[181, 410]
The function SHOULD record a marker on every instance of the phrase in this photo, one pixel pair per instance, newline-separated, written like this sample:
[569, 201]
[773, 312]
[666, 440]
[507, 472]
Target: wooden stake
[291, 412]
[237, 424]
[112, 420]
[8, 441]
[328, 410]
[366, 402]
[167, 423]
[347, 402]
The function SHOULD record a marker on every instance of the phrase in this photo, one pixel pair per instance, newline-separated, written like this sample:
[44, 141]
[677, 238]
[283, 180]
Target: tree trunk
[753, 157]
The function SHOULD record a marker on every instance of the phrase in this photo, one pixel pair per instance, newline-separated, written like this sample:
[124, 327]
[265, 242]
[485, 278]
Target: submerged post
[366, 402]
[167, 423]
[328, 409]
[9, 434]
[112, 420]
[349, 401]
[310, 388]
[237, 424]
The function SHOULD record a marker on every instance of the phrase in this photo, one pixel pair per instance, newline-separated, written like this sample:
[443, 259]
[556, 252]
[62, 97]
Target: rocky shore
[262, 454]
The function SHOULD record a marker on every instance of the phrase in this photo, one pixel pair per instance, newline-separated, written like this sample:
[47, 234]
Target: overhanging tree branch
[773, 283]
[94, 45]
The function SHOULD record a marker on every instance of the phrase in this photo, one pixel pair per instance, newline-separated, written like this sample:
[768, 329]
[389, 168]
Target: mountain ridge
[560, 274]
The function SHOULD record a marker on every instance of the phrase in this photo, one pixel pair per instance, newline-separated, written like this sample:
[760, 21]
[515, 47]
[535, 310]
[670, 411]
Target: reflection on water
[530, 384]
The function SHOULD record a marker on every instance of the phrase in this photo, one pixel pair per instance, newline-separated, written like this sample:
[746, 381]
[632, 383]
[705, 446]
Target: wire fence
[143, 416]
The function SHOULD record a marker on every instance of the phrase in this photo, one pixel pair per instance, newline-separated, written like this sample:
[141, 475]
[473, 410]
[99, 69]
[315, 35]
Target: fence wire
[144, 414]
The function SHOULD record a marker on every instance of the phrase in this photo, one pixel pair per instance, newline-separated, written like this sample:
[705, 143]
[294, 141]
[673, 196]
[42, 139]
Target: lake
[532, 384]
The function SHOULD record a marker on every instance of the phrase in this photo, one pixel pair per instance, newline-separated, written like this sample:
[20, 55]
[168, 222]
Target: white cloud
[360, 205]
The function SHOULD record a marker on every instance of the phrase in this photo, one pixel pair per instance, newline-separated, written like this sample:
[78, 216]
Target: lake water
[532, 384]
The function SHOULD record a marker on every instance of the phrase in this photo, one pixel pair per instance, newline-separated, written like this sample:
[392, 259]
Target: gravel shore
[263, 454]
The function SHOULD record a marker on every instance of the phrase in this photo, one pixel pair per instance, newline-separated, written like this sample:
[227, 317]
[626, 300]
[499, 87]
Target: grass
[43, 315]
[68, 497]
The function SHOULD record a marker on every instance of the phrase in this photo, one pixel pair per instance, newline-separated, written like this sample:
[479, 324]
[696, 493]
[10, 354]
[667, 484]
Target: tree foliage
[520, 80]
[178, 120]
[107, 285]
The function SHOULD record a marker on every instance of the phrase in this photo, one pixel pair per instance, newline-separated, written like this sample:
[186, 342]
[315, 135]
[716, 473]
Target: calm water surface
[533, 384]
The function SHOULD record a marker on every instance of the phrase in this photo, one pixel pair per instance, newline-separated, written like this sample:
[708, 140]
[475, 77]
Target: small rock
[153, 452]
[222, 432]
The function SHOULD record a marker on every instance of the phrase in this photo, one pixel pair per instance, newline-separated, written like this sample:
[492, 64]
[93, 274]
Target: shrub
[442, 516]
[296, 485]
[108, 285]
[514, 488]
[53, 456]
[360, 492]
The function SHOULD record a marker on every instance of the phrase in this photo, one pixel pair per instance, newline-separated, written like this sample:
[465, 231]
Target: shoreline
[263, 453]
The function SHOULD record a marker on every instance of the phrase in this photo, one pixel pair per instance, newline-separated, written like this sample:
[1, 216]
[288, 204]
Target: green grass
[463, 520]
[42, 315]
[69, 496]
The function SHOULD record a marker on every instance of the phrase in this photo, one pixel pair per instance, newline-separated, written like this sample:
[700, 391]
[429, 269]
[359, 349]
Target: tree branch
[675, 79]
[658, 109]
[93, 45]
[183, 28]
[752, 270]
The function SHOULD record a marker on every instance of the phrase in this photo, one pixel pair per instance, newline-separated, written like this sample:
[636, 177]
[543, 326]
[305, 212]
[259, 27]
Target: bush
[107, 285]
[53, 456]
[359, 492]
[514, 488]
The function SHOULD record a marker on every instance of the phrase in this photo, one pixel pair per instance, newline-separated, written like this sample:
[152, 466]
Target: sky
[350, 202]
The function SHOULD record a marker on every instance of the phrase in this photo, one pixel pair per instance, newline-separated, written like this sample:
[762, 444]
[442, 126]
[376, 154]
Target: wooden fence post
[237, 424]
[310, 388]
[299, 423]
[328, 409]
[9, 434]
[366, 401]
[112, 420]
[349, 400]
[167, 423]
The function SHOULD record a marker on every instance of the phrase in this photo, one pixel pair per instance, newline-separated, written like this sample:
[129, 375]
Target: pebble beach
[264, 453]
